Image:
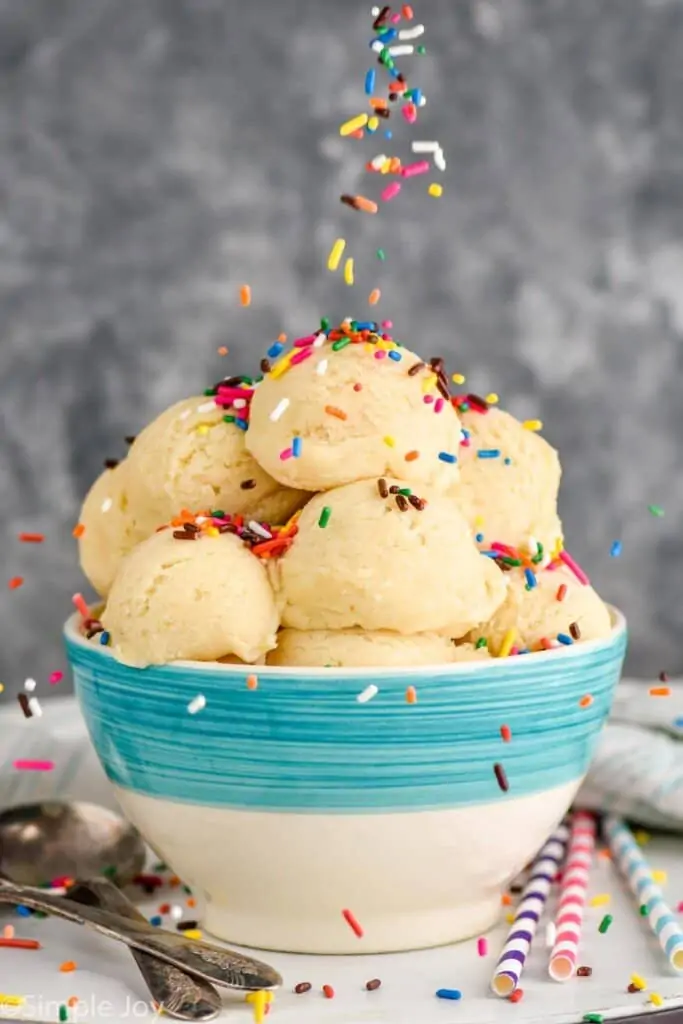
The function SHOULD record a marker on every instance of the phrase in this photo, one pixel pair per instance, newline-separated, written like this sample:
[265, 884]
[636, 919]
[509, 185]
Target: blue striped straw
[638, 874]
[543, 871]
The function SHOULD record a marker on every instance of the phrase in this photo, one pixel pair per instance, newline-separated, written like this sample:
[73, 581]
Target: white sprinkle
[239, 403]
[550, 934]
[379, 161]
[106, 504]
[30, 685]
[374, 11]
[411, 33]
[320, 340]
[185, 414]
[197, 703]
[176, 912]
[201, 519]
[206, 407]
[440, 159]
[368, 693]
[423, 101]
[321, 368]
[34, 707]
[424, 147]
[531, 545]
[401, 51]
[377, 46]
[278, 410]
[258, 529]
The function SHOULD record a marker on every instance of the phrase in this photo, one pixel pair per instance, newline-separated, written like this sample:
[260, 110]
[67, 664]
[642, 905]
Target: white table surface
[110, 988]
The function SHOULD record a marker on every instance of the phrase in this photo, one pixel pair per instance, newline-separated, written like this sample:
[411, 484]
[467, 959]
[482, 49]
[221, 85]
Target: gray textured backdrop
[156, 153]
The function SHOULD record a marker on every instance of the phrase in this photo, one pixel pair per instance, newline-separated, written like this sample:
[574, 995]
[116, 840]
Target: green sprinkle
[228, 419]
[605, 923]
[325, 517]
[324, 323]
[481, 642]
[109, 871]
[643, 910]
[217, 513]
[421, 50]
[63, 1012]
[593, 1018]
[655, 510]
[210, 392]
[511, 561]
[381, 255]
[160, 866]
[405, 491]
[342, 343]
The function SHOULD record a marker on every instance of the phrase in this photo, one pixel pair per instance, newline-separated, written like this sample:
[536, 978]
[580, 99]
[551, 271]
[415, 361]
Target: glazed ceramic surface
[288, 803]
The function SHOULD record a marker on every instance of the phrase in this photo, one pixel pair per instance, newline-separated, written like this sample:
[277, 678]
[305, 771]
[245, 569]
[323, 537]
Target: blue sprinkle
[388, 134]
[479, 538]
[242, 424]
[388, 35]
[489, 453]
[104, 638]
[530, 578]
[296, 447]
[564, 638]
[275, 350]
[365, 325]
[24, 911]
[467, 434]
[615, 550]
[396, 356]
[156, 920]
[370, 82]
[447, 457]
[524, 650]
[417, 96]
[678, 723]
[507, 461]
[448, 993]
[490, 554]
[394, 72]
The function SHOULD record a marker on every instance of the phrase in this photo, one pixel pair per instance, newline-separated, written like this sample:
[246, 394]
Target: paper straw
[569, 917]
[511, 962]
[638, 874]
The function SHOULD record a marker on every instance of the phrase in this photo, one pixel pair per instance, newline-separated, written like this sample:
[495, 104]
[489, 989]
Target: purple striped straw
[543, 871]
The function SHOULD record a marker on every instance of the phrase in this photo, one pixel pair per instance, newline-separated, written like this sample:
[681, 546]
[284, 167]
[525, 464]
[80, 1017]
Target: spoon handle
[213, 963]
[178, 994]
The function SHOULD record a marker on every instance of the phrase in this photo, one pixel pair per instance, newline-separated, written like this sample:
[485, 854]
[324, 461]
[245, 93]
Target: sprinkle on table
[638, 981]
[12, 943]
[328, 992]
[593, 1018]
[584, 972]
[302, 986]
[516, 996]
[67, 966]
[656, 999]
[373, 984]
[660, 691]
[448, 993]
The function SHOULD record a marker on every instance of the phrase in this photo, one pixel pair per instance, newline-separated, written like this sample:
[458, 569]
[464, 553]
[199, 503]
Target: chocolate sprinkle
[402, 503]
[303, 986]
[248, 485]
[575, 630]
[184, 535]
[416, 369]
[129, 438]
[663, 677]
[24, 705]
[186, 926]
[381, 17]
[382, 488]
[584, 972]
[264, 366]
[478, 402]
[111, 463]
[394, 489]
[373, 984]
[418, 503]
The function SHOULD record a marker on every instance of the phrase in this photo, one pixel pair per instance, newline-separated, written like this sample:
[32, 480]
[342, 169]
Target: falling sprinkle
[501, 777]
[615, 549]
[435, 190]
[601, 900]
[411, 695]
[32, 538]
[245, 295]
[33, 766]
[380, 254]
[532, 425]
[353, 124]
[482, 946]
[15, 582]
[352, 923]
[78, 530]
[505, 733]
[56, 677]
[605, 923]
[367, 694]
[348, 271]
[550, 934]
[197, 703]
[80, 605]
[252, 682]
[336, 253]
[655, 510]
[374, 296]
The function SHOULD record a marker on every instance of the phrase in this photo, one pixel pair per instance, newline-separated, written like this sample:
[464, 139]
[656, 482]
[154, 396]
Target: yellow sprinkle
[373, 123]
[259, 1000]
[192, 933]
[533, 425]
[660, 877]
[369, 347]
[212, 531]
[428, 383]
[202, 429]
[642, 837]
[6, 1000]
[458, 378]
[389, 442]
[386, 167]
[656, 999]
[506, 645]
[435, 190]
[478, 520]
[354, 124]
[639, 982]
[509, 917]
[280, 368]
[348, 271]
[600, 901]
[336, 253]
[2, 687]
[492, 398]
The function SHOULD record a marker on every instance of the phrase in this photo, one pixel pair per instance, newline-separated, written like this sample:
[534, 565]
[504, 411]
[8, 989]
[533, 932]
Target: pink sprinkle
[302, 354]
[679, 908]
[409, 111]
[56, 677]
[439, 405]
[391, 190]
[395, 18]
[482, 946]
[305, 342]
[285, 454]
[428, 399]
[504, 549]
[575, 568]
[225, 391]
[80, 605]
[465, 443]
[34, 766]
[380, 354]
[513, 651]
[421, 167]
[387, 324]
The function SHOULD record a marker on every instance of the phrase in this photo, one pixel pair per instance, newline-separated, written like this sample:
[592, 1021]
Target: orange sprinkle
[72, 1001]
[506, 899]
[545, 644]
[366, 205]
[377, 103]
[660, 691]
[78, 530]
[223, 351]
[411, 456]
[358, 134]
[68, 965]
[561, 591]
[245, 295]
[586, 701]
[15, 582]
[394, 165]
[605, 854]
[332, 410]
[411, 695]
[282, 337]
[277, 544]
[407, 12]
[191, 901]
[8, 931]
[32, 538]
[174, 881]
[374, 296]
[164, 908]
[252, 682]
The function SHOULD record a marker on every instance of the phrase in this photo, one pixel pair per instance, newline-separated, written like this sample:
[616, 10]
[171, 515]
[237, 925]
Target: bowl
[288, 803]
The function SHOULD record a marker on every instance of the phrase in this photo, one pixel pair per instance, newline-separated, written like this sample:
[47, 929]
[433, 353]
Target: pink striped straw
[569, 917]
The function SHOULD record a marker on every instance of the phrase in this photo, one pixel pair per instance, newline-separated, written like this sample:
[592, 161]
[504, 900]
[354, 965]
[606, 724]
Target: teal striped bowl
[286, 803]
